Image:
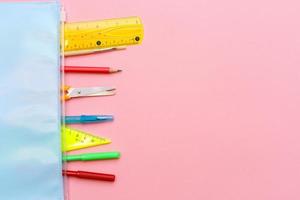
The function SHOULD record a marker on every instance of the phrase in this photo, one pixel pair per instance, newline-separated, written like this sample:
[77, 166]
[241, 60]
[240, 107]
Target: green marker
[92, 156]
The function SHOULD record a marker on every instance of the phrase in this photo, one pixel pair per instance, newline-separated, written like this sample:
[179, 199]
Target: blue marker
[83, 119]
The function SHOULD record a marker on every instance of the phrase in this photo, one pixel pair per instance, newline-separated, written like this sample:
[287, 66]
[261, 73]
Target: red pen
[86, 69]
[89, 175]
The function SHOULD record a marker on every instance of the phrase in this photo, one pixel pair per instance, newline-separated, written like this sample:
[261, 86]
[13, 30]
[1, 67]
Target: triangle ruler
[73, 139]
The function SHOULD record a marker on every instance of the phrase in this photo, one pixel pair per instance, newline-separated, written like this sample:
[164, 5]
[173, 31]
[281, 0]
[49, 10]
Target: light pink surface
[207, 108]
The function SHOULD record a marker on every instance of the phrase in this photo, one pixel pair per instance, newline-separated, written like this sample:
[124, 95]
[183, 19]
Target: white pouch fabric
[30, 143]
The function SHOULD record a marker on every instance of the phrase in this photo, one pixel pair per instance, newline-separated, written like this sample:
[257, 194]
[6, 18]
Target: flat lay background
[207, 107]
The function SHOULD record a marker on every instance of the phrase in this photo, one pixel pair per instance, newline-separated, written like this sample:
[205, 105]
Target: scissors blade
[92, 91]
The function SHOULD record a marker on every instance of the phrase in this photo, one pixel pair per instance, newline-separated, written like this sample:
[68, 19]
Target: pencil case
[30, 145]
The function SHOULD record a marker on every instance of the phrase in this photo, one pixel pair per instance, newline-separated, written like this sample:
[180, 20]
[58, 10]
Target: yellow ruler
[73, 139]
[93, 36]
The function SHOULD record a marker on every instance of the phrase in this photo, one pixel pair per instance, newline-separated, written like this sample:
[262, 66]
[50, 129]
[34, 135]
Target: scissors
[70, 92]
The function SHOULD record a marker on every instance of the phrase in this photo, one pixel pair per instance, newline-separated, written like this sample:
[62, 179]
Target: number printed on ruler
[102, 34]
[75, 139]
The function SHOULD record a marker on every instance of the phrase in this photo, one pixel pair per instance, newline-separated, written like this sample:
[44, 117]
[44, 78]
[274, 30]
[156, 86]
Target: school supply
[73, 139]
[92, 156]
[70, 92]
[85, 119]
[85, 69]
[89, 175]
[94, 36]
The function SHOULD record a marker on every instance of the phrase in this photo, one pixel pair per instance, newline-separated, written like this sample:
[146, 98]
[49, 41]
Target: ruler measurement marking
[110, 33]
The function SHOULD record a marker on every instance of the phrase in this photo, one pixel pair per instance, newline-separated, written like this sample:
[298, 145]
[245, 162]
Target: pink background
[207, 108]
